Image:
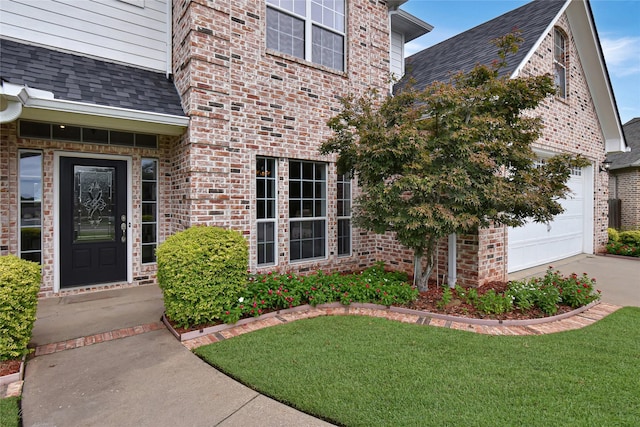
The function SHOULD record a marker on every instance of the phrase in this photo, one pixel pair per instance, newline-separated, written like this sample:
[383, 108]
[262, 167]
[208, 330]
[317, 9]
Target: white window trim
[308, 32]
[349, 217]
[315, 218]
[20, 201]
[557, 31]
[268, 220]
[157, 202]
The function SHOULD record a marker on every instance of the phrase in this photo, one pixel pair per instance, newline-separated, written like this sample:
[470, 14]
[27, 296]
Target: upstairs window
[313, 30]
[560, 62]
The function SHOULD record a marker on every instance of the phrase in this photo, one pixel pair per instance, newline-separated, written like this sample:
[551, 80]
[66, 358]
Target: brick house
[125, 121]
[559, 39]
[624, 179]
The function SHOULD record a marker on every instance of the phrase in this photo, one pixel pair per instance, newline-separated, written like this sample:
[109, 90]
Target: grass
[362, 371]
[10, 412]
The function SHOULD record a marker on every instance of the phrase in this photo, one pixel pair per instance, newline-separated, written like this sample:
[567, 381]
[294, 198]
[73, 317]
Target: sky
[617, 23]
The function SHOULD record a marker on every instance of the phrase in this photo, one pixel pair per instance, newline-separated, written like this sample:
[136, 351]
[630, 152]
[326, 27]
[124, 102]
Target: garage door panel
[537, 244]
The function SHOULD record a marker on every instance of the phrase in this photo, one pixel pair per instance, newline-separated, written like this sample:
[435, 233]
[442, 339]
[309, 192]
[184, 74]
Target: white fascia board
[73, 107]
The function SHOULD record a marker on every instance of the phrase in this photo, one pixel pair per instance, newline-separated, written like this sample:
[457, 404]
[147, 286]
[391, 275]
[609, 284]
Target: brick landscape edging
[330, 309]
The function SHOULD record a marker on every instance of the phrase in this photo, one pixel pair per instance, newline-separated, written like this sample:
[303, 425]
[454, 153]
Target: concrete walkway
[121, 367]
[104, 359]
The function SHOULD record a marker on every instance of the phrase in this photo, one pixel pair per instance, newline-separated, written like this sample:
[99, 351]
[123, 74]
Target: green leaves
[19, 286]
[201, 271]
[452, 157]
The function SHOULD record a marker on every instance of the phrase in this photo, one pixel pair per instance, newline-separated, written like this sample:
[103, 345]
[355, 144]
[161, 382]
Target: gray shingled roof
[632, 136]
[78, 78]
[464, 51]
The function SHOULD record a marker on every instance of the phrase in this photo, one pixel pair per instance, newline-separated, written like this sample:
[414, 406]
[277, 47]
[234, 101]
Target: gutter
[25, 102]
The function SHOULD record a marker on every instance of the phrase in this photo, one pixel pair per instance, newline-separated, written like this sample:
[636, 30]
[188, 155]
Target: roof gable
[534, 20]
[630, 158]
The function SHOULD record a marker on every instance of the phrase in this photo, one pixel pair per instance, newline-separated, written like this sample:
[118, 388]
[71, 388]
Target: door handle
[123, 227]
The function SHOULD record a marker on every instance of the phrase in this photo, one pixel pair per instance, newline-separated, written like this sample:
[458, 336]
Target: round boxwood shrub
[19, 286]
[201, 270]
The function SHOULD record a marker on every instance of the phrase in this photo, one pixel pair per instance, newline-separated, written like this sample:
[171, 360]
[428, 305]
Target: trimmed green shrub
[200, 271]
[19, 286]
[614, 236]
[630, 237]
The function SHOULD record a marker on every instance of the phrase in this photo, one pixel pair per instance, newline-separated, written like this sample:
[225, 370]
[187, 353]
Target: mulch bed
[428, 301]
[8, 367]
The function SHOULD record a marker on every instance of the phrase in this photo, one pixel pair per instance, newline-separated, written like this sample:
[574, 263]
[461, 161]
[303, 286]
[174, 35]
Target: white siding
[112, 29]
[397, 55]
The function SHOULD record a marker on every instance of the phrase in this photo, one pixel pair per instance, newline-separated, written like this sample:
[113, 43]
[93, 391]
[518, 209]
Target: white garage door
[535, 244]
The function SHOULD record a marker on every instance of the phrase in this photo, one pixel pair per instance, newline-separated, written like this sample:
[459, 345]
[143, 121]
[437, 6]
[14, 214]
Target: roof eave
[411, 26]
[41, 105]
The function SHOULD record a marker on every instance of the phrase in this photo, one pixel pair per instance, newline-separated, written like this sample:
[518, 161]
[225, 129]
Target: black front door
[93, 221]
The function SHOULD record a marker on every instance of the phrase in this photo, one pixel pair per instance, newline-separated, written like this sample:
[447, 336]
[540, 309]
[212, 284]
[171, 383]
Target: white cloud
[622, 55]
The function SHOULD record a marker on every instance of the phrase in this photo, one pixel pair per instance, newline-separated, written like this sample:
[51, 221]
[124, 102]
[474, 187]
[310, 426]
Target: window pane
[35, 129]
[149, 212]
[327, 48]
[94, 203]
[69, 133]
[149, 191]
[32, 256]
[145, 140]
[285, 33]
[148, 253]
[295, 209]
[100, 136]
[121, 138]
[30, 239]
[148, 233]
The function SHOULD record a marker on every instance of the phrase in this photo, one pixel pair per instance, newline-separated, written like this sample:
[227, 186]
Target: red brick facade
[246, 101]
[624, 184]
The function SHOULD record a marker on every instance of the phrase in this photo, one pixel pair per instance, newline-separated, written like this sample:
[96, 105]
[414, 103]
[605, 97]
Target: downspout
[452, 277]
[169, 39]
[10, 110]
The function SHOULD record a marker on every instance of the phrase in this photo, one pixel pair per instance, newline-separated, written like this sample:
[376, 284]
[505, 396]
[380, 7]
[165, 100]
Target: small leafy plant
[492, 302]
[265, 292]
[626, 243]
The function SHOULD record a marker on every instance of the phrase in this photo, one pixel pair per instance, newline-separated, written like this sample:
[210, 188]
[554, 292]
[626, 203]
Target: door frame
[56, 210]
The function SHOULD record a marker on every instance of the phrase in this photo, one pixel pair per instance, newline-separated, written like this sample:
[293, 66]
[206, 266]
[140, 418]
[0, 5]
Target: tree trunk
[421, 277]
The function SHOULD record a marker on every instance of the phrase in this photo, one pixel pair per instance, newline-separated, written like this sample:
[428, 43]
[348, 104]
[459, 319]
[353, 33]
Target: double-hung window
[266, 210]
[313, 30]
[307, 210]
[560, 62]
[344, 215]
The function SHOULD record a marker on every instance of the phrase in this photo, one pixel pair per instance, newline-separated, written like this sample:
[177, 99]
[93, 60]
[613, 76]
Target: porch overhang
[23, 102]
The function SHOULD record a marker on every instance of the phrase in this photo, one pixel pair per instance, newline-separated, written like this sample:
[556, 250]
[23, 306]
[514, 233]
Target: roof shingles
[79, 78]
[472, 47]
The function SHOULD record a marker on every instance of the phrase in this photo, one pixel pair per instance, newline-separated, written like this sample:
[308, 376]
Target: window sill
[304, 62]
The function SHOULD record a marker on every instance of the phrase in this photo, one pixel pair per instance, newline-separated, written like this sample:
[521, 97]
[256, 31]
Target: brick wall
[10, 144]
[246, 101]
[624, 184]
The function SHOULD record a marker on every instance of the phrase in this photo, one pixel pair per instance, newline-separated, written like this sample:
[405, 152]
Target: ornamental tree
[450, 158]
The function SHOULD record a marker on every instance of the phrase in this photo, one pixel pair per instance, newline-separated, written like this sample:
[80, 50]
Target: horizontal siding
[109, 29]
[397, 55]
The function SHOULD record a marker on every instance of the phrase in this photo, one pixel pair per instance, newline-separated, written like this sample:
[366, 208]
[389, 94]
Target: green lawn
[368, 371]
[10, 412]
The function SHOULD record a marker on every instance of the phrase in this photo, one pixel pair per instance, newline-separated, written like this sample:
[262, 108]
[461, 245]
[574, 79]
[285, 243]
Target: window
[560, 62]
[90, 135]
[149, 210]
[313, 30]
[344, 215]
[266, 210]
[307, 210]
[30, 190]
